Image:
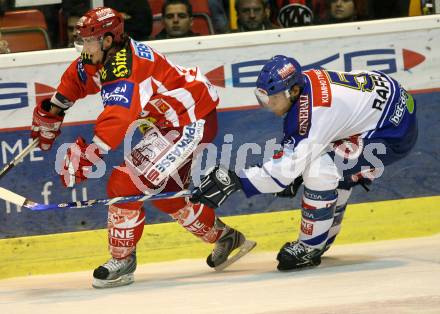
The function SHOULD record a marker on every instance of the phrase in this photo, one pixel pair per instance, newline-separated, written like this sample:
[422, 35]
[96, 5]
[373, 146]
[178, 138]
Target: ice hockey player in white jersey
[340, 129]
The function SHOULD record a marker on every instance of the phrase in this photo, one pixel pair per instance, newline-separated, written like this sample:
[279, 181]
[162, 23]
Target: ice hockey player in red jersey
[341, 129]
[178, 108]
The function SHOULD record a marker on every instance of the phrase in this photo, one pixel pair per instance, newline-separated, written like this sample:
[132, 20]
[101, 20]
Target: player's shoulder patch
[142, 51]
[118, 67]
[320, 85]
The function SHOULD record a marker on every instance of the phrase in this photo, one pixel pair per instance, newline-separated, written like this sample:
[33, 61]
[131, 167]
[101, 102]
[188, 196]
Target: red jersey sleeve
[77, 82]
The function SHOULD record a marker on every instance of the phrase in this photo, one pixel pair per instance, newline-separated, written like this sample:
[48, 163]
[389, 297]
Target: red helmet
[99, 21]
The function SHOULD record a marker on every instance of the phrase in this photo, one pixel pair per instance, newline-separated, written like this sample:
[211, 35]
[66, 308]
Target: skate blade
[118, 282]
[244, 249]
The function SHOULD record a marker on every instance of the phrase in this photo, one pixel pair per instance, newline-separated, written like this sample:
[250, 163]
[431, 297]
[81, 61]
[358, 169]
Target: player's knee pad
[170, 206]
[120, 184]
[322, 174]
[200, 220]
[317, 216]
[125, 227]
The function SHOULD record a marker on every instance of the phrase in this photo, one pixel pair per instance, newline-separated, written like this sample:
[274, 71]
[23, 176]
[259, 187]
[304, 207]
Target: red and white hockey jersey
[138, 82]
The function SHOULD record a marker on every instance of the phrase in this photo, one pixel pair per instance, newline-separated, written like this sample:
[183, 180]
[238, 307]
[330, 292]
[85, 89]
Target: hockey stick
[19, 200]
[19, 158]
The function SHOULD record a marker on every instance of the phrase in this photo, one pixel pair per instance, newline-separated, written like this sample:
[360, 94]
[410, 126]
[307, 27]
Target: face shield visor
[87, 45]
[269, 102]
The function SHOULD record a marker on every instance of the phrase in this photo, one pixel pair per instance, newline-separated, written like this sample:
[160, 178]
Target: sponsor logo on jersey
[405, 101]
[178, 153]
[117, 93]
[149, 150]
[118, 67]
[322, 95]
[120, 64]
[82, 75]
[161, 105]
[103, 74]
[143, 51]
[303, 114]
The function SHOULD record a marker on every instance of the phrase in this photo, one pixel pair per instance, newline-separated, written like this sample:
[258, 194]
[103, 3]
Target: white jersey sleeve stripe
[185, 97]
[145, 91]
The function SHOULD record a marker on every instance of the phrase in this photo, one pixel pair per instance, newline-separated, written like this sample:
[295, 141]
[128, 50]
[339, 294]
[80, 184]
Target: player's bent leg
[341, 205]
[201, 221]
[318, 206]
[125, 226]
[316, 221]
[230, 240]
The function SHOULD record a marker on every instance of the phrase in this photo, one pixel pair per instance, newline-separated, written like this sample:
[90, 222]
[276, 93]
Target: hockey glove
[78, 162]
[216, 187]
[291, 189]
[46, 125]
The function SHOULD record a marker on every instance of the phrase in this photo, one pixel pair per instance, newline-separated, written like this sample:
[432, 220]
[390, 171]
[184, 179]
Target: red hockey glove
[78, 162]
[46, 125]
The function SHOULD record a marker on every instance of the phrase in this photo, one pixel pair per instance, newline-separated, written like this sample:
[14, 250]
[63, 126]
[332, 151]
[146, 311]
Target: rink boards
[405, 49]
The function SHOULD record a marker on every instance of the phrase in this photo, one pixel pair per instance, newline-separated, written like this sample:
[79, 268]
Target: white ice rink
[400, 276]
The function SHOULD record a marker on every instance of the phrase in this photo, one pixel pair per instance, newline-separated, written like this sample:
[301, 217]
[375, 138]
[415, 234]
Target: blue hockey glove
[291, 189]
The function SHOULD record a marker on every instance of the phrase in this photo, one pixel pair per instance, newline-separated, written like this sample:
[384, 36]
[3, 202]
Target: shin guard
[341, 205]
[125, 227]
[201, 221]
[317, 216]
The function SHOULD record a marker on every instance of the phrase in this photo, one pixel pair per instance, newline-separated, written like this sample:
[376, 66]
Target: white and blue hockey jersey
[332, 106]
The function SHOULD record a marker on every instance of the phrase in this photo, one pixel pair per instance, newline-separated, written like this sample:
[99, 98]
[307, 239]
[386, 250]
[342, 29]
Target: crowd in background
[167, 19]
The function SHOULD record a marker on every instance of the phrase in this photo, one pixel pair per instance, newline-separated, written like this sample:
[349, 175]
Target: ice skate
[231, 240]
[115, 272]
[297, 255]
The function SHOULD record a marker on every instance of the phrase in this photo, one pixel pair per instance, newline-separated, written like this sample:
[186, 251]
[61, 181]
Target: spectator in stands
[72, 11]
[342, 11]
[3, 45]
[4, 6]
[138, 19]
[293, 13]
[253, 15]
[390, 8]
[219, 16]
[177, 20]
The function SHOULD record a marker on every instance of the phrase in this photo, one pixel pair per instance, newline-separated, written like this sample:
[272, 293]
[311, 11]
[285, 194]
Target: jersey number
[361, 81]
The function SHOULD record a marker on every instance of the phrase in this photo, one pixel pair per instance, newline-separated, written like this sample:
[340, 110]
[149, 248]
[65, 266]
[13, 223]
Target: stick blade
[12, 197]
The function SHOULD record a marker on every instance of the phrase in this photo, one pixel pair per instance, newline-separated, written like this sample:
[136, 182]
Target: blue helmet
[280, 73]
